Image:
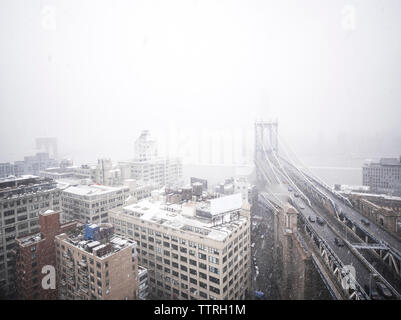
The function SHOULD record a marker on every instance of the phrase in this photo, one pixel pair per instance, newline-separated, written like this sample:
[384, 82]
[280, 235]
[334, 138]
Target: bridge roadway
[346, 256]
[374, 262]
[355, 216]
[274, 170]
[364, 267]
[376, 230]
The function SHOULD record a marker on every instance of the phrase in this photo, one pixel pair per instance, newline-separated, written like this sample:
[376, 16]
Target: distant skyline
[94, 74]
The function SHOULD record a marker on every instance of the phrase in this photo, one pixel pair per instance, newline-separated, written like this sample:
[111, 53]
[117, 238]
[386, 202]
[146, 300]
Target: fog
[96, 73]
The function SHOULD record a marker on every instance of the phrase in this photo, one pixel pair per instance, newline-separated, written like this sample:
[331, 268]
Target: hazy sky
[96, 73]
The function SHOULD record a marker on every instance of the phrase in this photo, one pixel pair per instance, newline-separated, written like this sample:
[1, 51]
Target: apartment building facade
[160, 171]
[91, 203]
[95, 264]
[21, 201]
[139, 191]
[148, 167]
[192, 249]
[34, 164]
[383, 175]
[145, 147]
[107, 174]
[34, 252]
[6, 169]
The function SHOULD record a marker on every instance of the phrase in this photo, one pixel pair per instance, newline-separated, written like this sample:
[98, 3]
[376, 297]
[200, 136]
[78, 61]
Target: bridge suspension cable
[270, 163]
[280, 203]
[284, 172]
[309, 172]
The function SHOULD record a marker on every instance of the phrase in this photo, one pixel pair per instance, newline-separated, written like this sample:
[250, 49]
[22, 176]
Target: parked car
[311, 219]
[320, 221]
[383, 290]
[339, 242]
[296, 194]
[365, 222]
[301, 206]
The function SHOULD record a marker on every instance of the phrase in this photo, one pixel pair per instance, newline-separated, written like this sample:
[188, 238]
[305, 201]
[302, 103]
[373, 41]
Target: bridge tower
[266, 143]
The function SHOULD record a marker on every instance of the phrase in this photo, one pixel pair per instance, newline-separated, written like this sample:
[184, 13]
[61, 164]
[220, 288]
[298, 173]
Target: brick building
[94, 264]
[383, 210]
[22, 199]
[35, 251]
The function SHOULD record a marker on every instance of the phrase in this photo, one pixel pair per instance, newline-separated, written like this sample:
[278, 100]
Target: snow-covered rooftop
[178, 216]
[91, 190]
[225, 204]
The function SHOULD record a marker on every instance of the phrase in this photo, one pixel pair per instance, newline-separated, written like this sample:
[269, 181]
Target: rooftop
[102, 248]
[374, 195]
[190, 216]
[15, 187]
[384, 162]
[30, 239]
[91, 190]
[20, 178]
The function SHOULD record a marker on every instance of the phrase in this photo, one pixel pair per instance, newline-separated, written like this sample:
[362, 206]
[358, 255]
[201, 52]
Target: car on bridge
[312, 219]
[320, 221]
[383, 290]
[339, 242]
[259, 295]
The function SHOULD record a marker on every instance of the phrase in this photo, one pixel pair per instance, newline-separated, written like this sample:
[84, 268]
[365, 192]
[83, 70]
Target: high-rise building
[30, 165]
[21, 201]
[34, 252]
[150, 169]
[6, 169]
[34, 164]
[159, 171]
[91, 203]
[197, 249]
[383, 175]
[145, 147]
[107, 174]
[95, 264]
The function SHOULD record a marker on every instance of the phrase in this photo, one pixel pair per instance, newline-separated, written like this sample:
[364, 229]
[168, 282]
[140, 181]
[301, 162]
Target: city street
[262, 255]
